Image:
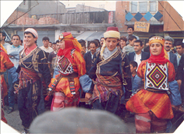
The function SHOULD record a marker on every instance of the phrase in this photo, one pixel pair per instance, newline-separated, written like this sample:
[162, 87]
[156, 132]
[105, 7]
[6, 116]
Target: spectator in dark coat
[90, 56]
[138, 55]
[180, 80]
[168, 45]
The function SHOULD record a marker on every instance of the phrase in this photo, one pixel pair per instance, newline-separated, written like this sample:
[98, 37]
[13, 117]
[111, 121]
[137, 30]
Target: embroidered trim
[156, 76]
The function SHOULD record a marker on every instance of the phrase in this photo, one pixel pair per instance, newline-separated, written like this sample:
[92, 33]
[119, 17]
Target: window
[143, 7]
[134, 6]
[152, 6]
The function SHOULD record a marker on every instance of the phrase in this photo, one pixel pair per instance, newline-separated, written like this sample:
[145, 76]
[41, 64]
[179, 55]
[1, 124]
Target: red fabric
[158, 125]
[29, 49]
[60, 101]
[112, 29]
[159, 59]
[144, 101]
[143, 123]
[2, 116]
[5, 62]
[68, 47]
[66, 52]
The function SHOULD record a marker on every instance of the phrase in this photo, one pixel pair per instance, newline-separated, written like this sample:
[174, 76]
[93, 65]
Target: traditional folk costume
[107, 73]
[33, 68]
[152, 105]
[71, 66]
[5, 64]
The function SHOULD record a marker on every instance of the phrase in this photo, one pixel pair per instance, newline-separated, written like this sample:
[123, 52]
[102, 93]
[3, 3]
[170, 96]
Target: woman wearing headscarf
[71, 66]
[152, 105]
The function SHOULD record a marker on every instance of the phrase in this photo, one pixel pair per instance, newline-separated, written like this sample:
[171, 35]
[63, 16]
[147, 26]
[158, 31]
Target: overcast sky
[8, 6]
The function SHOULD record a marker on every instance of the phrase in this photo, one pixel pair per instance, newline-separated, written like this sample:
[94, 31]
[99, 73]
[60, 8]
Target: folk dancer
[152, 105]
[5, 64]
[107, 73]
[71, 66]
[32, 68]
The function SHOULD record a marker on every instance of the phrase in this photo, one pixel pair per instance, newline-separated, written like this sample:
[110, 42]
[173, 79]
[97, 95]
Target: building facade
[164, 20]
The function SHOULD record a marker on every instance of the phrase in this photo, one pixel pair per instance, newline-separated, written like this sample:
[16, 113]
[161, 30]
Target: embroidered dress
[33, 68]
[152, 105]
[155, 78]
[5, 64]
[71, 67]
[63, 88]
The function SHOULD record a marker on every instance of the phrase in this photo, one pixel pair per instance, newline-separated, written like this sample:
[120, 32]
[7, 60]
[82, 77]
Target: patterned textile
[60, 101]
[109, 76]
[156, 76]
[64, 65]
[144, 101]
[141, 72]
[158, 125]
[105, 85]
[26, 76]
[143, 123]
[5, 62]
[34, 70]
[149, 123]
[78, 66]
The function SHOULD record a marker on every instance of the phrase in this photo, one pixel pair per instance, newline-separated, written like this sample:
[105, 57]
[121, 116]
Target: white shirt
[14, 52]
[168, 55]
[137, 58]
[48, 50]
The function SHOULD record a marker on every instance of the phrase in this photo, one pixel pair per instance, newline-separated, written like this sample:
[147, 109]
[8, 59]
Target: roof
[90, 35]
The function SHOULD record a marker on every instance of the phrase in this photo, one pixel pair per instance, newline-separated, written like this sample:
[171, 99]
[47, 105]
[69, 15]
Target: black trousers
[28, 101]
[111, 105]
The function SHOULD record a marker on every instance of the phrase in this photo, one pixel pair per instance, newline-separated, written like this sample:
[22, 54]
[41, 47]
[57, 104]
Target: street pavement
[15, 121]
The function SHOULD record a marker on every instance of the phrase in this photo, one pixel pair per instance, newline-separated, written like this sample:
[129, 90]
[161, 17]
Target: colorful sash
[26, 76]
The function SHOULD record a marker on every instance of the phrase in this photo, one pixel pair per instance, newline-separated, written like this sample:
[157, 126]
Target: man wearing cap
[33, 68]
[107, 73]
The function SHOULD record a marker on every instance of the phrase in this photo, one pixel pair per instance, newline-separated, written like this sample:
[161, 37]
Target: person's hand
[179, 83]
[88, 96]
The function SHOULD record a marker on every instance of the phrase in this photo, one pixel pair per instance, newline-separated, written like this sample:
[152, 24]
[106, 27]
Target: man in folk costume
[152, 105]
[107, 73]
[32, 69]
[71, 66]
[5, 63]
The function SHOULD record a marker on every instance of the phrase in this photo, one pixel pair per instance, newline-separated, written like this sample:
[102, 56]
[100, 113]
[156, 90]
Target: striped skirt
[60, 101]
[144, 101]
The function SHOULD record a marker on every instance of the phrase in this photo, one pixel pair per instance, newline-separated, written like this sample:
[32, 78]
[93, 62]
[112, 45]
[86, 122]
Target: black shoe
[10, 109]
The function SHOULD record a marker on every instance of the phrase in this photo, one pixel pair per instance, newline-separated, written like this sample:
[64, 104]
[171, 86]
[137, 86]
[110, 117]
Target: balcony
[64, 18]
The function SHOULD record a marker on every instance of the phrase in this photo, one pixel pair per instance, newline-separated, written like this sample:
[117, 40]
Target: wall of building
[120, 13]
[172, 20]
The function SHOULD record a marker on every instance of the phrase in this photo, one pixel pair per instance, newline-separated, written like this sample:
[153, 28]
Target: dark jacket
[144, 56]
[180, 76]
[89, 61]
[173, 59]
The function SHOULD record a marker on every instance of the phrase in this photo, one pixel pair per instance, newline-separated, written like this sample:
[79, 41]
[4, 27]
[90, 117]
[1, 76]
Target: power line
[170, 16]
